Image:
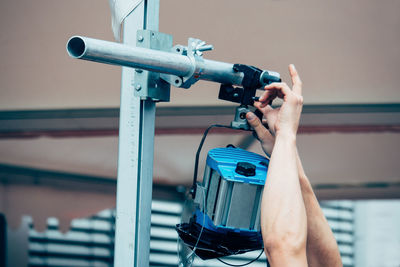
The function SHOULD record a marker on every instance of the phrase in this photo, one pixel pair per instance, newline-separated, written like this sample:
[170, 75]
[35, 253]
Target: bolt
[138, 87]
[235, 95]
[140, 38]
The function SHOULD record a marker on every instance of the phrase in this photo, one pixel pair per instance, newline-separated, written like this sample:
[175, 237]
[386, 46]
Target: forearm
[283, 216]
[322, 249]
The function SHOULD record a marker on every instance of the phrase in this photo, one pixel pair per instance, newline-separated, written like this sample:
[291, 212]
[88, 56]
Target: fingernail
[251, 116]
[294, 68]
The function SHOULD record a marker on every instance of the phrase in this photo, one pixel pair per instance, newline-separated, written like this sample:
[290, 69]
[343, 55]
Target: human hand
[288, 116]
[282, 120]
[264, 135]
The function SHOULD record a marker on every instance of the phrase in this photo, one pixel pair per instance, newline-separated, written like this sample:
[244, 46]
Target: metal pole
[129, 56]
[149, 59]
[135, 156]
[188, 65]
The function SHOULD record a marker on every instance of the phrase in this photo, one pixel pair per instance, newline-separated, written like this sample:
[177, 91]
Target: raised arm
[283, 215]
[322, 249]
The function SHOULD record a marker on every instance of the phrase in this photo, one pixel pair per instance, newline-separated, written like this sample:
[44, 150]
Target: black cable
[196, 164]
[239, 265]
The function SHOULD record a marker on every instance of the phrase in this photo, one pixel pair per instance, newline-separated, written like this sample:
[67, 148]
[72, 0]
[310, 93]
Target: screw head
[140, 38]
[138, 87]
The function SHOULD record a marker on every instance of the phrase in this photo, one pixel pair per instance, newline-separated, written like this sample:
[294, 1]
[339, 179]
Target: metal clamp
[240, 121]
[194, 51]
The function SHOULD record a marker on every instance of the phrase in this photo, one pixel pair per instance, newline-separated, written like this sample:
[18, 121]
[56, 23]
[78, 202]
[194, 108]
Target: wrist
[286, 136]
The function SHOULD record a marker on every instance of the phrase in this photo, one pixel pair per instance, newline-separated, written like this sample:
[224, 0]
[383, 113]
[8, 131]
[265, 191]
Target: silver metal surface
[200, 197]
[223, 200]
[257, 221]
[242, 204]
[128, 56]
[220, 72]
[212, 193]
[231, 204]
[135, 155]
[202, 189]
[267, 75]
[190, 67]
[206, 176]
[240, 121]
[145, 182]
[151, 86]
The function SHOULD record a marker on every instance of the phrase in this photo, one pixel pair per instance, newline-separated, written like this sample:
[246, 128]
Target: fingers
[257, 104]
[267, 96]
[257, 125]
[269, 118]
[263, 108]
[297, 84]
[272, 91]
[281, 88]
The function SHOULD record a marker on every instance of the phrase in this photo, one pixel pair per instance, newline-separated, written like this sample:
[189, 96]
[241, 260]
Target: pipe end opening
[76, 47]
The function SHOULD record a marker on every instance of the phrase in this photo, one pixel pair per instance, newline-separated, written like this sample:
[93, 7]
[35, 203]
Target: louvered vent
[90, 240]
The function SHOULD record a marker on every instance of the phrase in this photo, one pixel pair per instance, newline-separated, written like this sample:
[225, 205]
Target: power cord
[196, 164]
[245, 264]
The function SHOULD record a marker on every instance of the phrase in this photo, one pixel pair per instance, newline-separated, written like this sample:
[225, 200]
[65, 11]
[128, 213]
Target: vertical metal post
[135, 156]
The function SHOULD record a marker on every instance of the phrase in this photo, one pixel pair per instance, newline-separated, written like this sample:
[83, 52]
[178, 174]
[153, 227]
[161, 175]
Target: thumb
[256, 124]
[270, 118]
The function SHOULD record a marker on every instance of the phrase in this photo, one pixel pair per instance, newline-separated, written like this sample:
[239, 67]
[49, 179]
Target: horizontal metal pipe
[220, 72]
[128, 56]
[151, 60]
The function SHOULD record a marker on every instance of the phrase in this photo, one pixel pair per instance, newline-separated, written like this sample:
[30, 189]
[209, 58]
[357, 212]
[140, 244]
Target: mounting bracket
[147, 84]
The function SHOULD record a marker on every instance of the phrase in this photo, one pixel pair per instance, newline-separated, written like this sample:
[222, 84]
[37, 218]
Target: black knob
[245, 168]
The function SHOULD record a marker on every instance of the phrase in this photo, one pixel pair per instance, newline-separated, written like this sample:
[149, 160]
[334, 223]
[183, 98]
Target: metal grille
[89, 242]
[340, 216]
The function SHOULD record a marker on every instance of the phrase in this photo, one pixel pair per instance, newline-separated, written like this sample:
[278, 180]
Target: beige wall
[64, 202]
[346, 52]
[336, 158]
